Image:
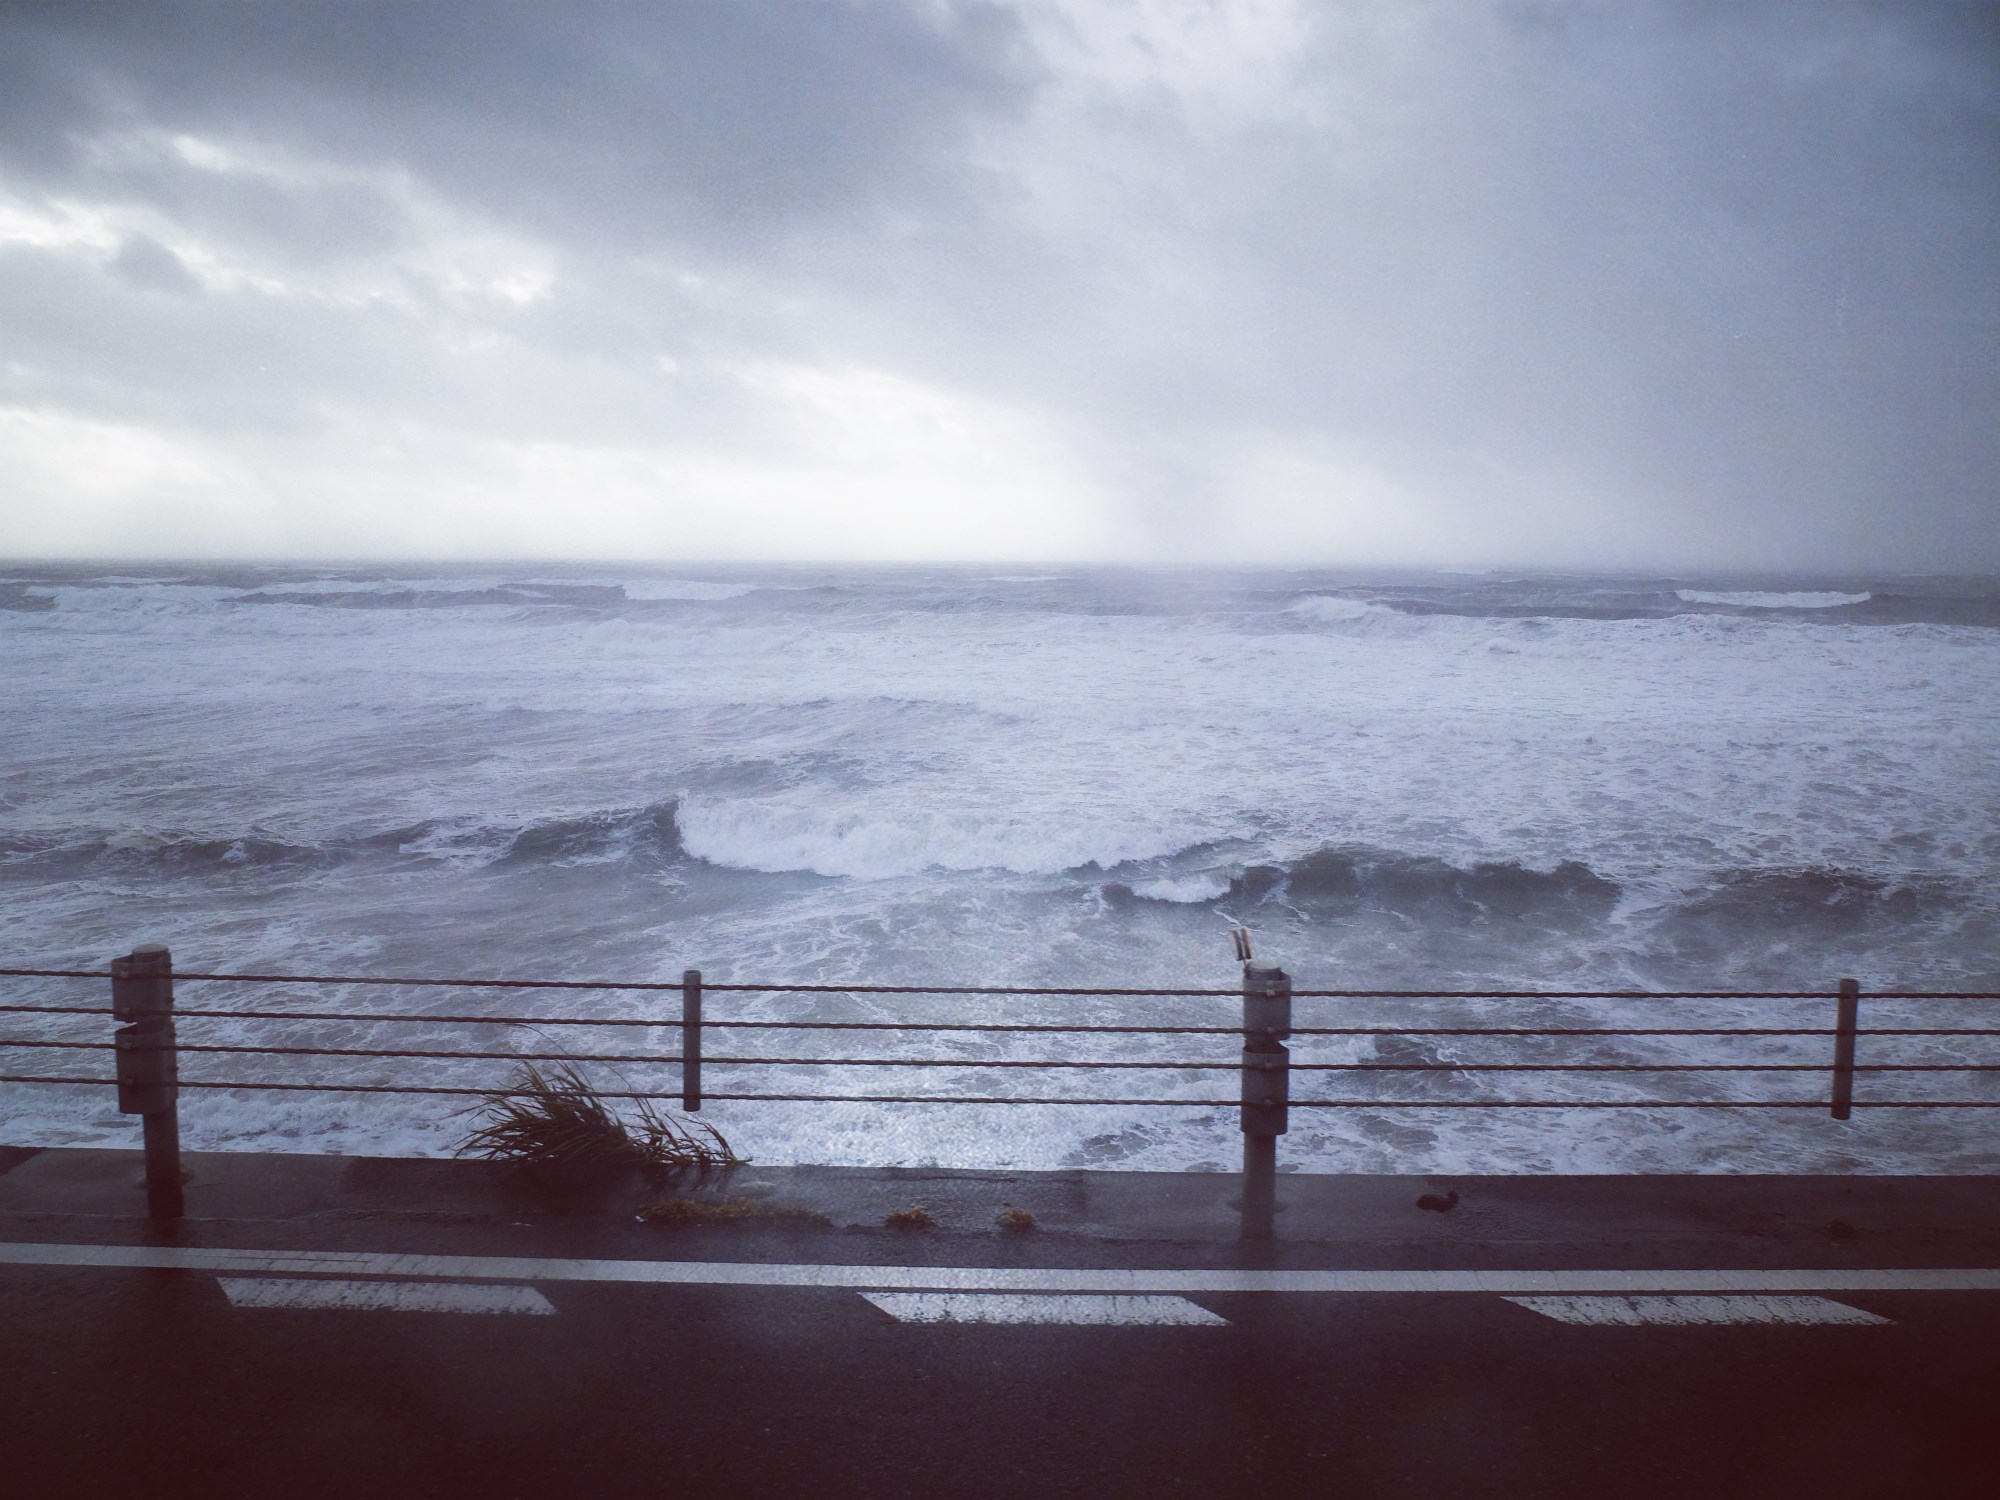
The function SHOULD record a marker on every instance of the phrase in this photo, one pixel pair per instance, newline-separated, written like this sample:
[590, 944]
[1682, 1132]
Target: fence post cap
[1263, 971]
[147, 961]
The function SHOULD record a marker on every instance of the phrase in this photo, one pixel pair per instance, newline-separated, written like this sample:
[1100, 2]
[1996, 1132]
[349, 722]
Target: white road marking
[1631, 1311]
[384, 1296]
[1044, 1307]
[985, 1278]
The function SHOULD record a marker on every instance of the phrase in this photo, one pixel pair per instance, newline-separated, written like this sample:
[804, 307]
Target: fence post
[1847, 1018]
[142, 994]
[1267, 1020]
[691, 1040]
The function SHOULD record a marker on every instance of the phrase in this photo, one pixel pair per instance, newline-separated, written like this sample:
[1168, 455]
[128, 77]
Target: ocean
[1033, 777]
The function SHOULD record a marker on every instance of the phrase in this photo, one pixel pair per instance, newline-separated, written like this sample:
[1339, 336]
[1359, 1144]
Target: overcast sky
[1549, 282]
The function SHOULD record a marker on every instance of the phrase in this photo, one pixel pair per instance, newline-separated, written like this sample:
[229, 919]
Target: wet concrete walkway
[1184, 1217]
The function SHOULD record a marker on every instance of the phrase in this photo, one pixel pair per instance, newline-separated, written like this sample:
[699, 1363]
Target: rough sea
[1075, 778]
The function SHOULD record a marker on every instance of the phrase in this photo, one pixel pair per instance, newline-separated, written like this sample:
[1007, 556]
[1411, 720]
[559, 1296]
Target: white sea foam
[687, 588]
[1754, 599]
[496, 791]
[126, 597]
[1182, 889]
[411, 585]
[1332, 608]
[881, 838]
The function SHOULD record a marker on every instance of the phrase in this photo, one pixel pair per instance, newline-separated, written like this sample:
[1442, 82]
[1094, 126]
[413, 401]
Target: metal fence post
[691, 1040]
[1267, 1021]
[142, 994]
[1847, 1019]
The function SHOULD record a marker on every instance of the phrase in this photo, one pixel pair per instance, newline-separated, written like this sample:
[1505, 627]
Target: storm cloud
[1571, 284]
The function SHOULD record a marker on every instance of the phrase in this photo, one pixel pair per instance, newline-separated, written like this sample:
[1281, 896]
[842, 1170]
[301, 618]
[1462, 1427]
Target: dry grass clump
[556, 1118]
[700, 1213]
[1014, 1220]
[917, 1217]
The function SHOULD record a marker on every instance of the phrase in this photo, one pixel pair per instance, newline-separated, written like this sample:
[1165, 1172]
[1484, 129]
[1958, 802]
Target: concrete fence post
[142, 995]
[1846, 1023]
[691, 1040]
[1267, 1021]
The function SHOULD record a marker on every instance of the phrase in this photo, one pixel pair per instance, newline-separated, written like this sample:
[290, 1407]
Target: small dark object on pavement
[1840, 1229]
[1434, 1203]
[1014, 1220]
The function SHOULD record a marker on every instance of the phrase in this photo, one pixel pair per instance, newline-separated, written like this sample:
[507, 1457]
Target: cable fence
[824, 1043]
[1431, 1045]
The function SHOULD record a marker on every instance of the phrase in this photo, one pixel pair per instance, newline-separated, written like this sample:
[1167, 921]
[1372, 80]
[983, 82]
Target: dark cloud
[1734, 259]
[704, 121]
[1710, 282]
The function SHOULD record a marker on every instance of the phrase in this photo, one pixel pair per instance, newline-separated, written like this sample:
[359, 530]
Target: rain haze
[1563, 284]
[1494, 500]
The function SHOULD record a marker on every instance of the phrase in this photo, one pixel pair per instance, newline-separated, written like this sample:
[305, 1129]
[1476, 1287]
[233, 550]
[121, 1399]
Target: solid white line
[384, 1296]
[983, 1278]
[1014, 1307]
[1632, 1311]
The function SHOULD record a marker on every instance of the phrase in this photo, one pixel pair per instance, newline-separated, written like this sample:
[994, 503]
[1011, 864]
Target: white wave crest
[885, 842]
[1183, 889]
[137, 596]
[340, 586]
[1331, 608]
[687, 588]
[1752, 599]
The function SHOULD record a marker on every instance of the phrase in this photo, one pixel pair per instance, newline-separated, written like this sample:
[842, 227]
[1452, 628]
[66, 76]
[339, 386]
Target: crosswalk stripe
[1631, 1311]
[383, 1296]
[1014, 1307]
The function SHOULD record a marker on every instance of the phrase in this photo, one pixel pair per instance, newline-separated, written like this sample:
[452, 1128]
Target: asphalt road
[154, 1382]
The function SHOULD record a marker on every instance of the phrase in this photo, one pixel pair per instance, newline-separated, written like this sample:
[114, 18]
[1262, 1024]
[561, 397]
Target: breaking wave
[1332, 609]
[165, 854]
[1753, 599]
[1742, 912]
[1182, 890]
[647, 835]
[690, 589]
[642, 837]
[513, 595]
[1706, 920]
[1338, 879]
[797, 835]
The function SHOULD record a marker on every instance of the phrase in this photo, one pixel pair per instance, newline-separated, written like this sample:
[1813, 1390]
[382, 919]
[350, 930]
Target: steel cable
[1037, 1027]
[380, 1088]
[1042, 1063]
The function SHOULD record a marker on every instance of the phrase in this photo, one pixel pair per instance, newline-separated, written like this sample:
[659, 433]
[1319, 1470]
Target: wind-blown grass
[555, 1118]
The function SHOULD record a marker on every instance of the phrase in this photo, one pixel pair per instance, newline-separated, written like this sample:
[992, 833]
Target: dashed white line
[384, 1296]
[992, 1279]
[1045, 1307]
[1632, 1311]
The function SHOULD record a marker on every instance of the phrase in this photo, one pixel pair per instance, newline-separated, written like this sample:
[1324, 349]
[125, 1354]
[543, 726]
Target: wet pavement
[322, 1325]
